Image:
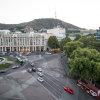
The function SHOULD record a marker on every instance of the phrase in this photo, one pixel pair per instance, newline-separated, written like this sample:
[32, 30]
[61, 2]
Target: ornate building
[22, 42]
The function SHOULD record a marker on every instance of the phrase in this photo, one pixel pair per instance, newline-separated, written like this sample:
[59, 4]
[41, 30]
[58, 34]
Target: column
[35, 43]
[23, 48]
[2, 49]
[5, 48]
[24, 44]
[29, 43]
[19, 48]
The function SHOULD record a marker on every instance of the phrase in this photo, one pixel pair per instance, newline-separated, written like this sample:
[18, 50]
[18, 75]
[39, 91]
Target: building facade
[73, 31]
[58, 31]
[98, 34]
[22, 42]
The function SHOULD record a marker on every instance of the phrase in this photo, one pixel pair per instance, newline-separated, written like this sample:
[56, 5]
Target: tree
[90, 42]
[71, 46]
[78, 36]
[79, 66]
[86, 63]
[53, 42]
[63, 42]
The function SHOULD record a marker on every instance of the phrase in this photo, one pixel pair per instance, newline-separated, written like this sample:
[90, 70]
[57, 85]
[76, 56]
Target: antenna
[55, 14]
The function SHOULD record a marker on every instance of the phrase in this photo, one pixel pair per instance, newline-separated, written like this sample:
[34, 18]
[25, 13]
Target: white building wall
[60, 33]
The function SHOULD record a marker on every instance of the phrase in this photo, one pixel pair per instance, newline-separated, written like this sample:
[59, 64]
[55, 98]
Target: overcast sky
[82, 13]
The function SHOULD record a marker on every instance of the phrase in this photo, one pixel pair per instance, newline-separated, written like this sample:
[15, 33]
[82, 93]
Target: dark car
[68, 90]
[33, 69]
[2, 71]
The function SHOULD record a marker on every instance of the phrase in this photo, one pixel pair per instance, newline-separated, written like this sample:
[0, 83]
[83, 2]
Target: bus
[19, 60]
[89, 88]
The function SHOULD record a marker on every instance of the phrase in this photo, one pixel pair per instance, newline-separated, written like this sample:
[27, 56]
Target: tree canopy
[78, 36]
[86, 63]
[63, 42]
[90, 42]
[71, 46]
[53, 42]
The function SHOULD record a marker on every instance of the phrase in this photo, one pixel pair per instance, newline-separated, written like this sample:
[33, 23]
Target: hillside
[37, 24]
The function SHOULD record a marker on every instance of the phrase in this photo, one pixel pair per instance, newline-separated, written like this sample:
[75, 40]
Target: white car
[39, 69]
[11, 56]
[20, 55]
[32, 64]
[29, 70]
[14, 67]
[40, 79]
[40, 74]
[48, 53]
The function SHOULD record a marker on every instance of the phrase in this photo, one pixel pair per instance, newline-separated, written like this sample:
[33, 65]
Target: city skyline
[82, 13]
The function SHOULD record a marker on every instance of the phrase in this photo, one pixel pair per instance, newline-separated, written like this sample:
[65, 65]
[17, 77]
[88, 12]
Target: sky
[82, 13]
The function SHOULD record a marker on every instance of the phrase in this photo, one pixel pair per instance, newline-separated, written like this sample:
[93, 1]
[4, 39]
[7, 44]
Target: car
[14, 67]
[32, 64]
[48, 53]
[11, 56]
[40, 74]
[33, 69]
[39, 69]
[68, 90]
[40, 79]
[2, 71]
[29, 70]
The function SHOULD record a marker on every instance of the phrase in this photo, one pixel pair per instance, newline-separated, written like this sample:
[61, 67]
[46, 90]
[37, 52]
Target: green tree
[78, 36]
[79, 66]
[71, 46]
[86, 63]
[53, 42]
[63, 42]
[90, 42]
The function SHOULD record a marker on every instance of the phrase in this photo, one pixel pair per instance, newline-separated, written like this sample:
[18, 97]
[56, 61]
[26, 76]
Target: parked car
[11, 56]
[20, 55]
[29, 70]
[68, 90]
[39, 69]
[33, 69]
[2, 71]
[14, 67]
[32, 64]
[48, 53]
[40, 79]
[40, 74]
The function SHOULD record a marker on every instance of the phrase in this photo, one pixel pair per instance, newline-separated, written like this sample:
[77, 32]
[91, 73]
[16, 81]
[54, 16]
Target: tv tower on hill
[55, 14]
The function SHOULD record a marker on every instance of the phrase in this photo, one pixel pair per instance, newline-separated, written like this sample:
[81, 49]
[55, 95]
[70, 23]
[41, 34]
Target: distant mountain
[37, 24]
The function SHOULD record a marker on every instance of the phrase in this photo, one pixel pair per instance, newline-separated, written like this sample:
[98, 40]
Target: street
[19, 84]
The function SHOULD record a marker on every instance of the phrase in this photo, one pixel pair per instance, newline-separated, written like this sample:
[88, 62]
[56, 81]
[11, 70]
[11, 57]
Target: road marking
[50, 92]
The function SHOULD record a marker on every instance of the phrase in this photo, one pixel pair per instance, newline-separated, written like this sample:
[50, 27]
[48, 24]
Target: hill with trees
[37, 24]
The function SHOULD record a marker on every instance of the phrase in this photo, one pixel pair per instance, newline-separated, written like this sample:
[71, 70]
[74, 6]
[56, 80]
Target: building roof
[22, 35]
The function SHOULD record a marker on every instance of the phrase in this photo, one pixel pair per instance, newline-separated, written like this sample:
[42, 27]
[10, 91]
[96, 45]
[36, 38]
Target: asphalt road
[55, 76]
[56, 86]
